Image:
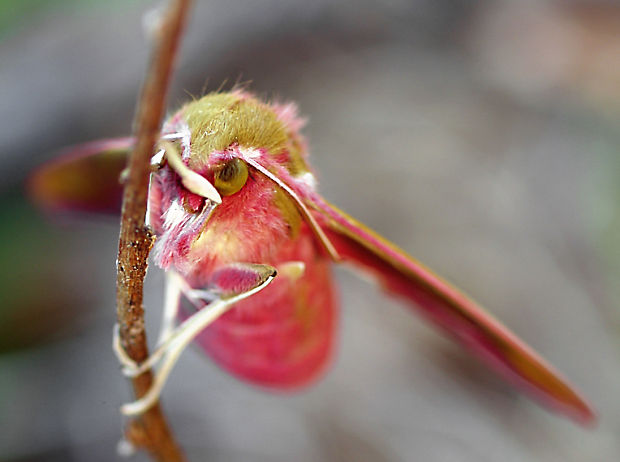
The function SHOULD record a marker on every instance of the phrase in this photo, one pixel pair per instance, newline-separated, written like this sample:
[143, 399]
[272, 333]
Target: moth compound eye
[231, 177]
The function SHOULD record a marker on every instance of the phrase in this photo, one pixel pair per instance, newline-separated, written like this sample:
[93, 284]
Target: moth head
[183, 199]
[226, 159]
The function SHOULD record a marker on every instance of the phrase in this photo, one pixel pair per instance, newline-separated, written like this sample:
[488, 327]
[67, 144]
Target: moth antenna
[191, 180]
[314, 226]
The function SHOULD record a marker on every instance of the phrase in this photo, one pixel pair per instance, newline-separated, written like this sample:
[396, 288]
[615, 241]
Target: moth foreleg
[175, 286]
[235, 283]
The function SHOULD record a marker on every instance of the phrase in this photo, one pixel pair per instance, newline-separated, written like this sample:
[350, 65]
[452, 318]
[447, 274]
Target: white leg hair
[172, 347]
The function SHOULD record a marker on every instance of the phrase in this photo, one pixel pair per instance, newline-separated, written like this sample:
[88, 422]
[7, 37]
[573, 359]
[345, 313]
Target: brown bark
[150, 430]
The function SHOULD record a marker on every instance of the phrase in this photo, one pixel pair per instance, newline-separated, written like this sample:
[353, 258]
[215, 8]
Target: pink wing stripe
[453, 311]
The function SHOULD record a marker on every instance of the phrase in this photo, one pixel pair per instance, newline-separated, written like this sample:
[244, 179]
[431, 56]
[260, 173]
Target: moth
[248, 244]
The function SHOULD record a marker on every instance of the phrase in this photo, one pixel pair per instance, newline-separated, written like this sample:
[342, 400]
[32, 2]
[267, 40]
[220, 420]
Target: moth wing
[84, 178]
[281, 338]
[451, 310]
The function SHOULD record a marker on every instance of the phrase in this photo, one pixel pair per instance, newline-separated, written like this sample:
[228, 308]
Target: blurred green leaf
[13, 13]
[37, 303]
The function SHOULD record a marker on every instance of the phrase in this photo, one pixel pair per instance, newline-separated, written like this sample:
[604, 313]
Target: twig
[150, 430]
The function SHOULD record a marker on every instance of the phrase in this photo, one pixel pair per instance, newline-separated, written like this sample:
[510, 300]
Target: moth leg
[133, 369]
[174, 288]
[171, 349]
[119, 351]
[230, 280]
[172, 298]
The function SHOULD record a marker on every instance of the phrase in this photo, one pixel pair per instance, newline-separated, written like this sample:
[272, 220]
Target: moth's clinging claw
[130, 368]
[169, 351]
[122, 356]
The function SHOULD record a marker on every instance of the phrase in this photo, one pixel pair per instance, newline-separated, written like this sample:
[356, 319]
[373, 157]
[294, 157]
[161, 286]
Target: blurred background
[482, 137]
